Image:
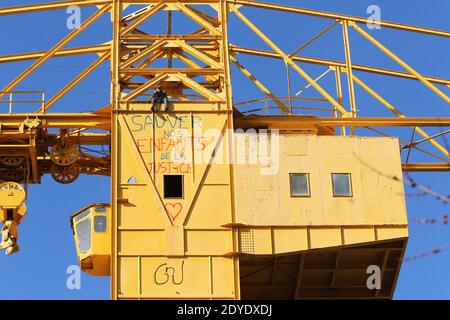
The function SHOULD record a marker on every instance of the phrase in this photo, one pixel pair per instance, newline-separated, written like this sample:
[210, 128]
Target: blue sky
[39, 270]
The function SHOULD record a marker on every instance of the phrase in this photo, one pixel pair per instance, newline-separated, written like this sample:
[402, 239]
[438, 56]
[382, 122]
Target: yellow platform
[335, 273]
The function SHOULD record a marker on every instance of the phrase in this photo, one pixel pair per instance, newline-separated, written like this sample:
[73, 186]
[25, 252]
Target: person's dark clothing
[159, 96]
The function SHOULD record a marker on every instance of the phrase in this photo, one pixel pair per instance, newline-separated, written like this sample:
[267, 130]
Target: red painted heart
[174, 210]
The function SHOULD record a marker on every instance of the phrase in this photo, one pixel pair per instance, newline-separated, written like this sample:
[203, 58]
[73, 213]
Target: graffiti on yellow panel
[169, 273]
[173, 277]
[174, 210]
[175, 144]
[141, 122]
[172, 142]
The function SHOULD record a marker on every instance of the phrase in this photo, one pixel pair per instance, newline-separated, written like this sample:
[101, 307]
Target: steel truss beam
[59, 120]
[75, 81]
[61, 53]
[55, 49]
[289, 61]
[50, 6]
[339, 64]
[259, 84]
[308, 123]
[206, 53]
[331, 15]
[426, 167]
[299, 122]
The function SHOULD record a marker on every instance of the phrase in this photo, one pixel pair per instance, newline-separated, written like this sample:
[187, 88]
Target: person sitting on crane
[159, 96]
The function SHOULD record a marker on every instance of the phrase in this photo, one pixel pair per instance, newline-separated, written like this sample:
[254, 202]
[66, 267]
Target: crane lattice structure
[134, 42]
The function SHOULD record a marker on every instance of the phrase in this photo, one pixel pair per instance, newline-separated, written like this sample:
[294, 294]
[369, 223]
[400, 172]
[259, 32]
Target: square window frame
[182, 186]
[308, 181]
[106, 223]
[350, 185]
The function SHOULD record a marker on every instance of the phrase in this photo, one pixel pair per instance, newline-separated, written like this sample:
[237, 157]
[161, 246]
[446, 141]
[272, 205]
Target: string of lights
[414, 185]
[444, 220]
[428, 253]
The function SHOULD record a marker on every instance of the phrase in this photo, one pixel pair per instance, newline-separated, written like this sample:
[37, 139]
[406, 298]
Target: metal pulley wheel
[12, 162]
[65, 175]
[64, 155]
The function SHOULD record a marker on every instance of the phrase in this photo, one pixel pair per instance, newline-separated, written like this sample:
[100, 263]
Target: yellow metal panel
[358, 235]
[179, 278]
[175, 241]
[165, 240]
[376, 199]
[153, 143]
[292, 147]
[337, 155]
[210, 212]
[128, 276]
[290, 240]
[218, 174]
[263, 183]
[387, 204]
[141, 242]
[263, 241]
[223, 284]
[208, 242]
[325, 237]
[301, 210]
[385, 233]
[142, 213]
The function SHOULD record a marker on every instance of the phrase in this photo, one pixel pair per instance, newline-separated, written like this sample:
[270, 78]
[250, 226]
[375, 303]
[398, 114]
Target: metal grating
[246, 241]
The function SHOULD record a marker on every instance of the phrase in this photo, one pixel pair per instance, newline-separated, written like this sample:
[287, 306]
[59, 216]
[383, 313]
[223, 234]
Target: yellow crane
[210, 200]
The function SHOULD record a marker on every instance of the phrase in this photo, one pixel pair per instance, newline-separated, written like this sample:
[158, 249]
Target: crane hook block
[12, 196]
[12, 211]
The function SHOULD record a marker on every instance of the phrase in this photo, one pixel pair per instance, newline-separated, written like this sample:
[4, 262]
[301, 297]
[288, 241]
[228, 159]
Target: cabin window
[100, 223]
[82, 215]
[173, 186]
[342, 184]
[84, 235]
[299, 184]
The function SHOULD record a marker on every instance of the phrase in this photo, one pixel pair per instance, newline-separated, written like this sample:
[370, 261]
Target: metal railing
[11, 95]
[269, 106]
